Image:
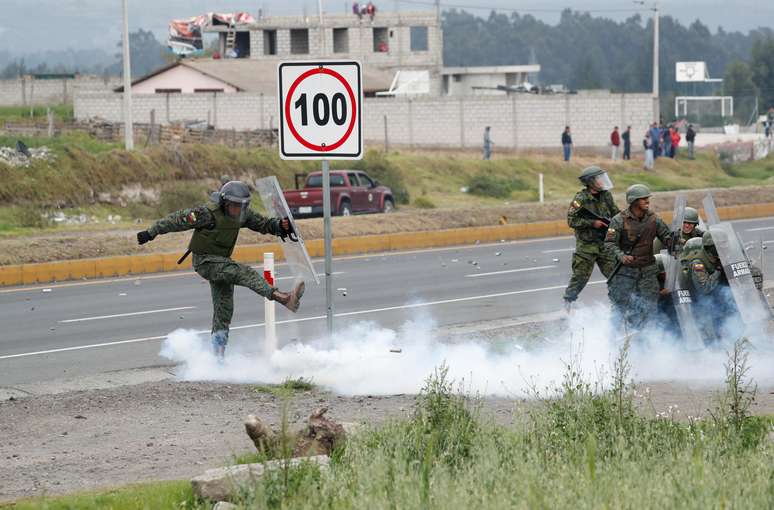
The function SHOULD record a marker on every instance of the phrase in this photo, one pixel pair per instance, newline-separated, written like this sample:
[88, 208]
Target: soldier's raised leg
[582, 267]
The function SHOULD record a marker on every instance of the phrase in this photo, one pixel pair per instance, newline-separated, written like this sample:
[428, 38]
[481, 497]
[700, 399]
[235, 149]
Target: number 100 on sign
[320, 107]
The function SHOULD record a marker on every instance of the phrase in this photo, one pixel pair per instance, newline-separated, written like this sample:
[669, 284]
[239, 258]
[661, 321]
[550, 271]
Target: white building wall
[517, 121]
[176, 77]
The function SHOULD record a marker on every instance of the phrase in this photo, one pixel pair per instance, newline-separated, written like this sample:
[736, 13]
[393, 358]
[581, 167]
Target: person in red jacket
[675, 133]
[615, 142]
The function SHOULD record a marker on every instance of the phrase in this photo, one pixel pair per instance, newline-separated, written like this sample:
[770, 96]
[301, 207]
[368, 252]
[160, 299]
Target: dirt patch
[86, 244]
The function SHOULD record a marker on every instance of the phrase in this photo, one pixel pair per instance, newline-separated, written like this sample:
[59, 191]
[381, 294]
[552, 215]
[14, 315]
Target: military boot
[290, 300]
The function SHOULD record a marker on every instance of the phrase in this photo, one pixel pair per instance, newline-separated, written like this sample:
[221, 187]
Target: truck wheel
[388, 206]
[345, 209]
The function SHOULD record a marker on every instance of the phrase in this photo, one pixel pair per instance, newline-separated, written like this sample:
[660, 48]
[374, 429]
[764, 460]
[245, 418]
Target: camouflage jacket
[580, 216]
[706, 276]
[201, 217]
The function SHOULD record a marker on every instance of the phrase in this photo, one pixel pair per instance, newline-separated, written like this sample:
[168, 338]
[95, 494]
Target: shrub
[424, 203]
[378, 167]
[488, 185]
[181, 195]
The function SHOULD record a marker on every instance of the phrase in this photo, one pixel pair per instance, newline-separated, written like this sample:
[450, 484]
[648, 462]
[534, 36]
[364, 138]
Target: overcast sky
[35, 25]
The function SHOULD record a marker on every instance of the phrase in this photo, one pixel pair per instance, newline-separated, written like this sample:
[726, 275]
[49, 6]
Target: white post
[540, 187]
[128, 124]
[270, 324]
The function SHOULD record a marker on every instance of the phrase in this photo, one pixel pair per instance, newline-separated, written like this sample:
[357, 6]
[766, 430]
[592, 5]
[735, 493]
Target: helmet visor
[602, 182]
[240, 204]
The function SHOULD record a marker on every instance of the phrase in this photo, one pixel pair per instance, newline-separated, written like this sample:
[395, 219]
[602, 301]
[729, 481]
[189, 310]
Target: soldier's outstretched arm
[261, 224]
[663, 232]
[702, 280]
[613, 238]
[185, 219]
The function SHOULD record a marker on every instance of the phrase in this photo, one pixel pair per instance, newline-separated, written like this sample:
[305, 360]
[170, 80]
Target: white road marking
[303, 319]
[538, 268]
[559, 250]
[759, 229]
[130, 314]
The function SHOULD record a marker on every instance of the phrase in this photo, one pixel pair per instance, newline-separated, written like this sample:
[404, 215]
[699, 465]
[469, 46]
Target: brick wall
[520, 121]
[27, 91]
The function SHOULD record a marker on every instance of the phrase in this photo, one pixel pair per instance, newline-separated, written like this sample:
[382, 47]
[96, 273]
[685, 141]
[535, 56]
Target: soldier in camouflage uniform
[633, 287]
[589, 215]
[665, 305]
[689, 231]
[702, 269]
[216, 228]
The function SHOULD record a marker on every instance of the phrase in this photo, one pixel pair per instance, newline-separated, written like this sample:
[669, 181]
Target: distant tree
[762, 67]
[14, 69]
[738, 80]
[146, 54]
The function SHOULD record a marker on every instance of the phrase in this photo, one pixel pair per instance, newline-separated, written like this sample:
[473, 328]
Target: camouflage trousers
[583, 261]
[223, 273]
[633, 294]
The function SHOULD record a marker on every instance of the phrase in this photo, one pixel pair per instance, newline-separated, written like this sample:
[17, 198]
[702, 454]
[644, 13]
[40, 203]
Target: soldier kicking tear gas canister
[216, 228]
[589, 215]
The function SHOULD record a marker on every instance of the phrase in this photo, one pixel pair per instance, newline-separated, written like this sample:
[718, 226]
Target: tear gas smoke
[358, 360]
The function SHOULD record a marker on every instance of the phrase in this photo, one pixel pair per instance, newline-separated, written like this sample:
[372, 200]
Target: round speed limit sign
[320, 106]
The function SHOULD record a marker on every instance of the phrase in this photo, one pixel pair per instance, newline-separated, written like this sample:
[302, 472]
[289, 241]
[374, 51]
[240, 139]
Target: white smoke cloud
[358, 360]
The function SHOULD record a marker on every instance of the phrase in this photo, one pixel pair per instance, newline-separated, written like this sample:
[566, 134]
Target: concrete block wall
[27, 91]
[518, 121]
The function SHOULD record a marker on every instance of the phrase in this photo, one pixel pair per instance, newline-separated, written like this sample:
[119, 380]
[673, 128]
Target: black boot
[290, 300]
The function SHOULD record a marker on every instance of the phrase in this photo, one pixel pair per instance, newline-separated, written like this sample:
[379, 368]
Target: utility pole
[656, 96]
[128, 125]
[322, 29]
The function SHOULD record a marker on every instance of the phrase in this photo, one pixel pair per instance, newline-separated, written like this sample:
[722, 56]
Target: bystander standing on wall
[615, 143]
[674, 133]
[627, 143]
[567, 143]
[487, 143]
[690, 138]
[647, 144]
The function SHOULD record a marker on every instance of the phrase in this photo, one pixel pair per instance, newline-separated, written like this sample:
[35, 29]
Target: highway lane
[82, 328]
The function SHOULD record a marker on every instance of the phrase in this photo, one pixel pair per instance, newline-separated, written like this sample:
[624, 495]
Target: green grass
[85, 167]
[152, 496]
[287, 387]
[62, 112]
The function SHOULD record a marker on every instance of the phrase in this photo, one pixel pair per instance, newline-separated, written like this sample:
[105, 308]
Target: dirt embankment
[85, 244]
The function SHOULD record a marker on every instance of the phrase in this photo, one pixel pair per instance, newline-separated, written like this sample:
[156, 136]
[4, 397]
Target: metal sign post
[320, 112]
[326, 171]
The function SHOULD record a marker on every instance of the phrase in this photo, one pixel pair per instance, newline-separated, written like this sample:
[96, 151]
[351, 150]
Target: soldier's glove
[144, 236]
[287, 231]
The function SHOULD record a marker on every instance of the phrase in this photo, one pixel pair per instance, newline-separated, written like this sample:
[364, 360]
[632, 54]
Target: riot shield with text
[294, 249]
[678, 287]
[750, 302]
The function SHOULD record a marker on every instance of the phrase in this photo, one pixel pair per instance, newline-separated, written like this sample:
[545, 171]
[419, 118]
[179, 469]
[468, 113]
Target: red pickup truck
[352, 192]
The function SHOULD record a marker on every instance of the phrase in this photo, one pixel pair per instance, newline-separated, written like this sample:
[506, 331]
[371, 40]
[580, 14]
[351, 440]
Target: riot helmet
[635, 192]
[596, 178]
[234, 194]
[708, 243]
[691, 215]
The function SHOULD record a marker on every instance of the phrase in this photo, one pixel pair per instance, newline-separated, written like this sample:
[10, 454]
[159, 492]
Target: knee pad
[219, 338]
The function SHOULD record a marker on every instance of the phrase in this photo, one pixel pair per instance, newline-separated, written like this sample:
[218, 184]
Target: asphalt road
[82, 328]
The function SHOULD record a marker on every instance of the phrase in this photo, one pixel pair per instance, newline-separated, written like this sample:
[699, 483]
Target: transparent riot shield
[678, 287]
[295, 252]
[710, 211]
[750, 302]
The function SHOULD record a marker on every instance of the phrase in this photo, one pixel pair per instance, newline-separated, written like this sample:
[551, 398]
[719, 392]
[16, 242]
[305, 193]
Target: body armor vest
[220, 239]
[637, 239]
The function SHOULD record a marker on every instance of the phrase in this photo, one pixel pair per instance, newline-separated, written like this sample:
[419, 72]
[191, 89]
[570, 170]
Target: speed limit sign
[320, 110]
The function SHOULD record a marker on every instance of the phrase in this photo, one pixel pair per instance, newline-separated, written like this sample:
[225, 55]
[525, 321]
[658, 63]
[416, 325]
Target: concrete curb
[25, 274]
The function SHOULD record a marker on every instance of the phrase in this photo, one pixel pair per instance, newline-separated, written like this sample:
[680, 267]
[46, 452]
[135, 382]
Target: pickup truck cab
[352, 192]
